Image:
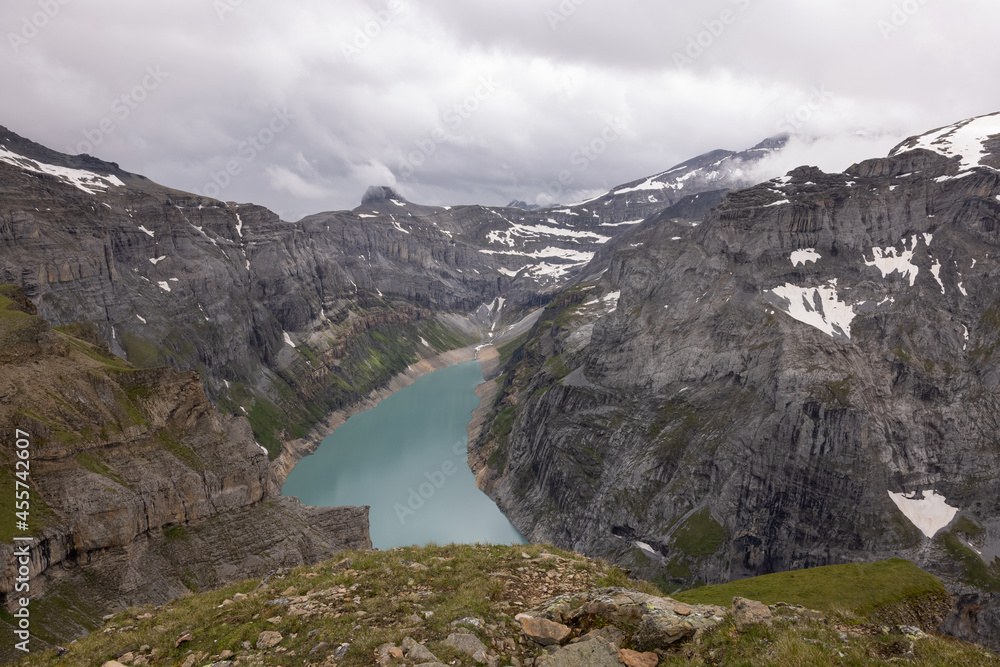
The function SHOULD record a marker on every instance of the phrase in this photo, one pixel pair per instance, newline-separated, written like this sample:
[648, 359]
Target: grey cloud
[379, 86]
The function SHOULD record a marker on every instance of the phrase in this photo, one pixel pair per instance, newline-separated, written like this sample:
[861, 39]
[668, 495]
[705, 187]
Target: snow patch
[889, 261]
[141, 318]
[156, 260]
[819, 307]
[804, 256]
[164, 285]
[930, 514]
[288, 339]
[620, 224]
[966, 140]
[645, 547]
[146, 231]
[936, 270]
[87, 181]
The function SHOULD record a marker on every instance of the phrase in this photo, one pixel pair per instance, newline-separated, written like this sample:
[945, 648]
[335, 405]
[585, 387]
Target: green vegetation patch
[860, 588]
[170, 440]
[140, 353]
[975, 571]
[97, 466]
[700, 535]
[507, 350]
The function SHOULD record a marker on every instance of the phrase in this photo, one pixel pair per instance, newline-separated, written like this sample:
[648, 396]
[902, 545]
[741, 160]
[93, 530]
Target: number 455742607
[22, 469]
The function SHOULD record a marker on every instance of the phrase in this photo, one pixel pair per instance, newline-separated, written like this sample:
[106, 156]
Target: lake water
[406, 458]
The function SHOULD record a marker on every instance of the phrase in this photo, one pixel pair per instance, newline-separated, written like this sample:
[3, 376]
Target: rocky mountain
[284, 321]
[140, 490]
[809, 376]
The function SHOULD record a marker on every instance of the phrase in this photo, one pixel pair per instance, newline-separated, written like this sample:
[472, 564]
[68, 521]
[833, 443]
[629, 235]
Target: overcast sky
[310, 101]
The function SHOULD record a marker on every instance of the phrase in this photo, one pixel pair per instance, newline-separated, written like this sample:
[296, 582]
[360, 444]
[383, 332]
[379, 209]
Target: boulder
[545, 632]
[750, 612]
[632, 658]
[418, 652]
[594, 653]
[465, 643]
[268, 639]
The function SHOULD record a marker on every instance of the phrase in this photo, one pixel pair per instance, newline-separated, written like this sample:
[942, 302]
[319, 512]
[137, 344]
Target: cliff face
[141, 491]
[807, 377]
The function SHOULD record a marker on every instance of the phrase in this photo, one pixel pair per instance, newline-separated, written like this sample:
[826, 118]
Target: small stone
[341, 651]
[417, 652]
[750, 612]
[239, 596]
[545, 632]
[682, 610]
[396, 653]
[143, 617]
[911, 632]
[226, 654]
[268, 638]
[525, 556]
[635, 659]
[144, 648]
[190, 661]
[470, 621]
[226, 602]
[465, 643]
[319, 647]
[127, 658]
[274, 620]
[186, 637]
[289, 591]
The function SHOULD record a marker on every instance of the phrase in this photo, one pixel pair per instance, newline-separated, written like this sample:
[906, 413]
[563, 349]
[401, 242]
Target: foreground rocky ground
[532, 606]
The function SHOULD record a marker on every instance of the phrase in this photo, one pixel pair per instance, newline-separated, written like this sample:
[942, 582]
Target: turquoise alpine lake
[407, 459]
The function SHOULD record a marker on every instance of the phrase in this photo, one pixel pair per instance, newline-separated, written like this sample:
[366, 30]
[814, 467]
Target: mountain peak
[380, 193]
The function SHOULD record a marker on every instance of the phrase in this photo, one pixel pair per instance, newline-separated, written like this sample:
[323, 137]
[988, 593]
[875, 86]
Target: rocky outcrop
[807, 377]
[141, 490]
[975, 618]
[283, 320]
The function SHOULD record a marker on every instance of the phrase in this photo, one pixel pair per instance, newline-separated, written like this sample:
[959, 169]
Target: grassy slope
[373, 599]
[861, 588]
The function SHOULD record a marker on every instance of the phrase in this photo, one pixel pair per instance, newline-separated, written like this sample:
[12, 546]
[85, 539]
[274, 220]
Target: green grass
[456, 582]
[370, 598]
[95, 465]
[507, 350]
[700, 535]
[857, 588]
[40, 515]
[975, 571]
[169, 439]
[967, 526]
[140, 353]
